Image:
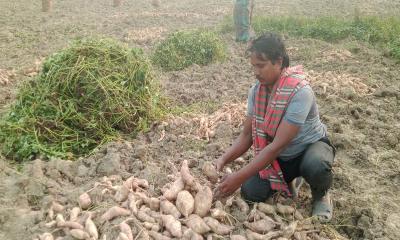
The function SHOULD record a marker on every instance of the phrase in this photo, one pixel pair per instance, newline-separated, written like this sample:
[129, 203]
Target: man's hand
[219, 164]
[229, 184]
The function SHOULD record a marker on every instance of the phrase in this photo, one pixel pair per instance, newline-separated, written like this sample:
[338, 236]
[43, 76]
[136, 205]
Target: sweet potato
[143, 235]
[284, 210]
[175, 188]
[168, 208]
[158, 236]
[79, 234]
[143, 183]
[91, 228]
[256, 236]
[156, 228]
[187, 177]
[122, 236]
[50, 213]
[189, 234]
[74, 214]
[217, 227]
[121, 193]
[167, 186]
[168, 234]
[288, 231]
[60, 220]
[154, 204]
[125, 204]
[155, 215]
[142, 196]
[148, 225]
[126, 229]
[58, 208]
[46, 236]
[219, 214]
[203, 201]
[128, 182]
[243, 206]
[197, 224]
[300, 236]
[266, 208]
[255, 214]
[253, 235]
[132, 203]
[185, 203]
[132, 183]
[260, 226]
[114, 212]
[84, 201]
[172, 225]
[273, 234]
[50, 224]
[73, 225]
[210, 171]
[144, 217]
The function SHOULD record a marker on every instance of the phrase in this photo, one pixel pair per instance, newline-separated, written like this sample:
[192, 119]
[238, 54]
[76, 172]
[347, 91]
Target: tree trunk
[117, 3]
[46, 5]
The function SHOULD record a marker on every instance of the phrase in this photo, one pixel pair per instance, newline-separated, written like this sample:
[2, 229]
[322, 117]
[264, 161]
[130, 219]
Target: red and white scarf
[269, 108]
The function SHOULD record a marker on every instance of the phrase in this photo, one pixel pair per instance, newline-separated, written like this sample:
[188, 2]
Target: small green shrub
[184, 48]
[84, 96]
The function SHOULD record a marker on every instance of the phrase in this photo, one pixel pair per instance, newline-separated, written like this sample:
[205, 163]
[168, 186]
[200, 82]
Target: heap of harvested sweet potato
[186, 210]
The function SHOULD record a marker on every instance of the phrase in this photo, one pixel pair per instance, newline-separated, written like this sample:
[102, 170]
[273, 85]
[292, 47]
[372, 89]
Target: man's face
[266, 72]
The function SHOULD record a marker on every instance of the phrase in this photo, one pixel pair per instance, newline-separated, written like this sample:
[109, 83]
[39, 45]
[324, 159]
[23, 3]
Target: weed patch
[378, 31]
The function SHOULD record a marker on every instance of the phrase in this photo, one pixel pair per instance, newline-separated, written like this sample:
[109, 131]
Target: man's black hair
[270, 46]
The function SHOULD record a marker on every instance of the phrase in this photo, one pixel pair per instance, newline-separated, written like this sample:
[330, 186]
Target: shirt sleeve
[250, 101]
[300, 106]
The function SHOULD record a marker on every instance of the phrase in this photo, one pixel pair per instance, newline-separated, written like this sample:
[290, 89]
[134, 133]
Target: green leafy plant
[85, 95]
[184, 48]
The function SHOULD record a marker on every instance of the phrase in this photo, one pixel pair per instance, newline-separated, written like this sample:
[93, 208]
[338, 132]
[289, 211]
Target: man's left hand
[229, 184]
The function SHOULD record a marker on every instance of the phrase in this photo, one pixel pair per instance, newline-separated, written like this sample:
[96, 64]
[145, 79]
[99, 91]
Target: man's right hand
[219, 164]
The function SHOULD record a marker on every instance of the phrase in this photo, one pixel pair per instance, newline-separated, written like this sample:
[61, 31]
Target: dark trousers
[314, 165]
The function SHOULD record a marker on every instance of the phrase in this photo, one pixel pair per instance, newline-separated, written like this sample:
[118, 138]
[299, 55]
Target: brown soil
[358, 91]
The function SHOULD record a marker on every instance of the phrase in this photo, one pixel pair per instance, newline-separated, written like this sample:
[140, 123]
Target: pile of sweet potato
[186, 210]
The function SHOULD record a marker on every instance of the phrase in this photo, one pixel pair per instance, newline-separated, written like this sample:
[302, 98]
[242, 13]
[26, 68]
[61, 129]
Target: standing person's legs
[241, 17]
[316, 169]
